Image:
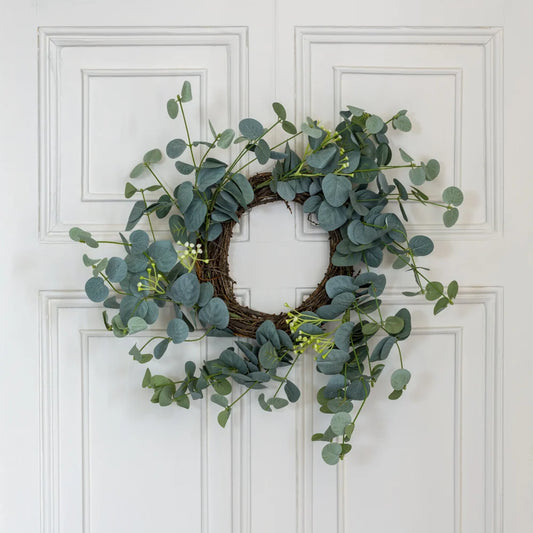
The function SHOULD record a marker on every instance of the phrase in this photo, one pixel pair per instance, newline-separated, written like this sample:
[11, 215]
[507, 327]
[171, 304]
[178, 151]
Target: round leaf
[153, 156]
[400, 378]
[421, 245]
[374, 124]
[177, 330]
[136, 324]
[175, 148]
[331, 453]
[186, 289]
[215, 313]
[116, 269]
[250, 128]
[339, 422]
[450, 216]
[96, 290]
[336, 189]
[453, 196]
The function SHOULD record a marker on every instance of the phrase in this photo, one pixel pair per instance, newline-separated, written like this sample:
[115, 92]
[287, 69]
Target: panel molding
[52, 40]
[489, 39]
[51, 302]
[87, 195]
[491, 300]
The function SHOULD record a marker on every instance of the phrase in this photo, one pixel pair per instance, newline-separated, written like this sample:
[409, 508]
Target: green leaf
[278, 403]
[268, 356]
[289, 127]
[219, 400]
[440, 305]
[374, 124]
[405, 156]
[175, 148]
[402, 123]
[321, 159]
[146, 379]
[163, 254]
[355, 111]
[183, 168]
[153, 156]
[166, 395]
[262, 152]
[450, 217]
[136, 213]
[138, 170]
[434, 290]
[395, 394]
[136, 324]
[370, 328]
[336, 189]
[244, 186]
[116, 269]
[453, 196]
[96, 290]
[286, 190]
[172, 108]
[393, 325]
[195, 215]
[358, 390]
[279, 110]
[292, 391]
[223, 416]
[222, 387]
[212, 172]
[453, 289]
[177, 330]
[417, 176]
[400, 378]
[331, 218]
[215, 313]
[432, 169]
[160, 348]
[226, 138]
[262, 402]
[130, 190]
[183, 401]
[186, 93]
[186, 289]
[339, 421]
[382, 349]
[331, 453]
[184, 195]
[313, 132]
[421, 245]
[251, 128]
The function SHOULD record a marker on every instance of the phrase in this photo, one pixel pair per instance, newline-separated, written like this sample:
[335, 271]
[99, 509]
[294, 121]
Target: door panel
[82, 448]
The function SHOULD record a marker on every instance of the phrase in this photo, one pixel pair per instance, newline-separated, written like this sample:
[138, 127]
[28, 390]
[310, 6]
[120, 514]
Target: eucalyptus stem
[186, 130]
[242, 395]
[148, 215]
[162, 186]
[284, 379]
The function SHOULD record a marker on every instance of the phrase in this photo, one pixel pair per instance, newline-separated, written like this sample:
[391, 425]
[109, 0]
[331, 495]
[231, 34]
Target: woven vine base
[244, 321]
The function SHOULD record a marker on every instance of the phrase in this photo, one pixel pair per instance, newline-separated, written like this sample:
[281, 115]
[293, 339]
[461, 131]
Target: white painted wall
[81, 447]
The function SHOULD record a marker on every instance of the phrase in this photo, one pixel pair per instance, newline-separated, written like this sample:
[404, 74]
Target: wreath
[340, 181]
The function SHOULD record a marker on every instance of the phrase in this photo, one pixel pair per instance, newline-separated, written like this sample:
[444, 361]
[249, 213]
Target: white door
[83, 88]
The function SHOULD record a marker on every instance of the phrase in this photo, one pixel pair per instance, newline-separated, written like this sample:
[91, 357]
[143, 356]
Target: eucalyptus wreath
[341, 181]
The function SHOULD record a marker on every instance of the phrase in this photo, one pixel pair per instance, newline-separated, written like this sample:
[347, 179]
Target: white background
[82, 92]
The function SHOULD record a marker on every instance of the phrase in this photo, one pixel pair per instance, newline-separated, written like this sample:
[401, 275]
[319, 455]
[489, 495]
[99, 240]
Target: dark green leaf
[215, 313]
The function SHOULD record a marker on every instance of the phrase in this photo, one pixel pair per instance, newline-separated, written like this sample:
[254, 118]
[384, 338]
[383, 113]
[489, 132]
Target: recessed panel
[448, 81]
[103, 101]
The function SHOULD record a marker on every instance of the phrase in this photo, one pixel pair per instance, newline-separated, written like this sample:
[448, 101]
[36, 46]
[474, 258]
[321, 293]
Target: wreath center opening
[272, 264]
